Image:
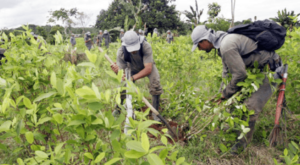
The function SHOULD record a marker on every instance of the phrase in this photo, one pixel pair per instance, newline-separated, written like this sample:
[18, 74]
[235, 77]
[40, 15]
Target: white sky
[14, 13]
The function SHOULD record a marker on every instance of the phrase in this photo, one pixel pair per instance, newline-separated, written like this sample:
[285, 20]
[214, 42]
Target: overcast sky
[14, 13]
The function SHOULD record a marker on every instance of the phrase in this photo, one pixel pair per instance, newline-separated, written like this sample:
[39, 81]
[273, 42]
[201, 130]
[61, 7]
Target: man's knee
[155, 88]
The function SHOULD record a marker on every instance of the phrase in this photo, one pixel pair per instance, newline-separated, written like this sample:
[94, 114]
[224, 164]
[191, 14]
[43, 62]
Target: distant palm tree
[194, 15]
[284, 18]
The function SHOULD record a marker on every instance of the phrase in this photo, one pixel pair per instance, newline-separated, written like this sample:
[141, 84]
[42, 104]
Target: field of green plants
[55, 112]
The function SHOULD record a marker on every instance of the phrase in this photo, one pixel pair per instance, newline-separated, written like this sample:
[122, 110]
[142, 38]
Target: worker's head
[100, 31]
[122, 31]
[131, 41]
[169, 32]
[202, 38]
[88, 33]
[105, 31]
[140, 31]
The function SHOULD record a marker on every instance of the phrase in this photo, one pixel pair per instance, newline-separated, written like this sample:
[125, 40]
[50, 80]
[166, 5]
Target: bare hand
[114, 67]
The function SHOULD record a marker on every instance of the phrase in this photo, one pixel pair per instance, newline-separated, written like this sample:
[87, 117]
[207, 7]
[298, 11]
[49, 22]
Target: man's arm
[143, 73]
[237, 68]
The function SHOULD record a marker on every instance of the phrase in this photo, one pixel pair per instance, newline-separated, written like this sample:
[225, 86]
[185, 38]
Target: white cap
[100, 31]
[168, 31]
[88, 33]
[122, 30]
[199, 33]
[105, 31]
[131, 41]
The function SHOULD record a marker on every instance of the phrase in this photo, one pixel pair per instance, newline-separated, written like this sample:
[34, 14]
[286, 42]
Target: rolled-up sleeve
[120, 59]
[234, 62]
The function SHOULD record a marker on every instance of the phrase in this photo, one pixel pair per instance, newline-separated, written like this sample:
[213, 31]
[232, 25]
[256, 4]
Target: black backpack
[127, 54]
[268, 34]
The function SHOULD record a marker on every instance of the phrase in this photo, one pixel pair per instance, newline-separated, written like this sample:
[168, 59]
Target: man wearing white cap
[121, 34]
[106, 38]
[72, 40]
[141, 33]
[99, 38]
[88, 40]
[169, 37]
[155, 31]
[137, 53]
[238, 52]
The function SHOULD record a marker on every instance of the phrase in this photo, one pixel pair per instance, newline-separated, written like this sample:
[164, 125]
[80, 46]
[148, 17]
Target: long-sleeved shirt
[73, 41]
[237, 55]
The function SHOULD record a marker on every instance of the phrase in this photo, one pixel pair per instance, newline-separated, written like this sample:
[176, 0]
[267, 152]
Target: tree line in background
[160, 14]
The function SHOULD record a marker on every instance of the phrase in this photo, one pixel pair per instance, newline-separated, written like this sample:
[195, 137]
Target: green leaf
[58, 148]
[145, 142]
[43, 120]
[85, 92]
[88, 155]
[91, 57]
[222, 147]
[88, 64]
[60, 86]
[41, 154]
[132, 154]
[163, 154]
[5, 126]
[44, 96]
[164, 140]
[285, 152]
[96, 90]
[115, 134]
[20, 161]
[156, 148]
[58, 118]
[145, 124]
[3, 147]
[29, 137]
[112, 161]
[76, 122]
[135, 145]
[174, 155]
[97, 121]
[53, 79]
[154, 159]
[99, 157]
[180, 160]
[27, 102]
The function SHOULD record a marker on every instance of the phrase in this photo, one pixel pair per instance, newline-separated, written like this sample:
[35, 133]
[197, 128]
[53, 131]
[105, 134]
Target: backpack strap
[127, 57]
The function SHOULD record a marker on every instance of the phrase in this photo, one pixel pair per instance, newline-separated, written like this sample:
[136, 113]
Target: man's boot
[242, 143]
[155, 104]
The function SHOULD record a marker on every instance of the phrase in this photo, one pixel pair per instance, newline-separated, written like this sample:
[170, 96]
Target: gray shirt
[169, 38]
[237, 55]
[99, 37]
[137, 62]
[121, 35]
[89, 43]
[73, 41]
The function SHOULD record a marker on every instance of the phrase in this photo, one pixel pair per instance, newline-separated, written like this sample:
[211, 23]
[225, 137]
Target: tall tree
[66, 16]
[83, 19]
[213, 11]
[156, 13]
[193, 15]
